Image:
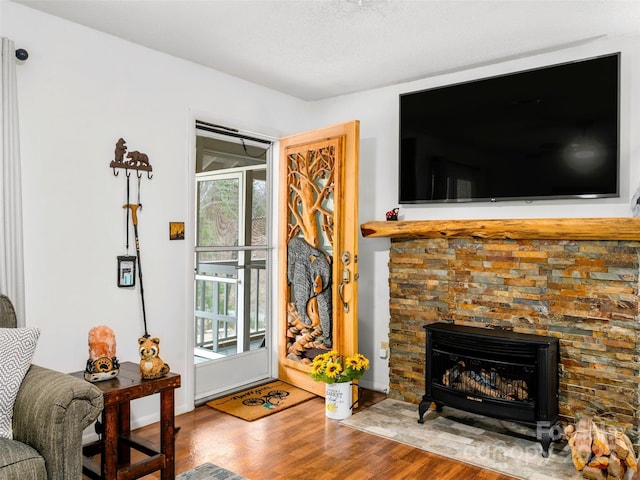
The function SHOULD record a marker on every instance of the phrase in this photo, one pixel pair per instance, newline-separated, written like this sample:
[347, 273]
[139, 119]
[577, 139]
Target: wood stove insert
[496, 373]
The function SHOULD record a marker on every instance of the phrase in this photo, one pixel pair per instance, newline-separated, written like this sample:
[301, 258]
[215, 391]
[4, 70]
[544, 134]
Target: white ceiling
[315, 49]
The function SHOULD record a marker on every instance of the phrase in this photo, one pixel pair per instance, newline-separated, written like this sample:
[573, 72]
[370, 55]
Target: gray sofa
[51, 411]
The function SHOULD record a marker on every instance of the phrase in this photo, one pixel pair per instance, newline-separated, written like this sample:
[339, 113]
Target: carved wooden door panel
[318, 242]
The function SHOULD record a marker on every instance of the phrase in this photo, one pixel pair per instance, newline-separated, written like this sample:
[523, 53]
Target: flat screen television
[545, 133]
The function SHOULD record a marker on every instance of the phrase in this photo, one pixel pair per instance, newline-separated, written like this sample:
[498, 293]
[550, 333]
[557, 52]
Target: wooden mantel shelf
[624, 228]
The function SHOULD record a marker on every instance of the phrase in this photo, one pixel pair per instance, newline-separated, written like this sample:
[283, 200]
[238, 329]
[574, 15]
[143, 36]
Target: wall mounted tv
[546, 133]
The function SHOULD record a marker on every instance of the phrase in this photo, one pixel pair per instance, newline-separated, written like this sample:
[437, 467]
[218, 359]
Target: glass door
[231, 268]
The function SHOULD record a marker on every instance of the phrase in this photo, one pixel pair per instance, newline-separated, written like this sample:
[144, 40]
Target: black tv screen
[546, 133]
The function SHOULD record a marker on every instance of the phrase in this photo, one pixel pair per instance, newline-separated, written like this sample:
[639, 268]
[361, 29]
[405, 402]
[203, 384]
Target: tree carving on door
[310, 234]
[310, 179]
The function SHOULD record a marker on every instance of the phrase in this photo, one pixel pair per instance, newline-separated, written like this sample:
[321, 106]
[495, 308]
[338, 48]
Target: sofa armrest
[52, 410]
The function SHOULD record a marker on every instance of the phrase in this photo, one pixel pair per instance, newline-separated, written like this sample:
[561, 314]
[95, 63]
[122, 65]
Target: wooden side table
[117, 439]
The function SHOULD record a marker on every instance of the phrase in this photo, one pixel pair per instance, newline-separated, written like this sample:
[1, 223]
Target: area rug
[209, 471]
[504, 447]
[258, 402]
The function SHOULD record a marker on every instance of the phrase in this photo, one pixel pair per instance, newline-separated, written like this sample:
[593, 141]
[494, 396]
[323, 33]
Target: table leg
[110, 443]
[124, 425]
[167, 433]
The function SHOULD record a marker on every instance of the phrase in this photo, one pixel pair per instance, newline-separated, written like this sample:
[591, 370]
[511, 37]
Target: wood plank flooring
[301, 442]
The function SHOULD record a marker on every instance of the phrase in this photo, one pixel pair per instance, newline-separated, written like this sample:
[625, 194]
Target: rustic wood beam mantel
[623, 228]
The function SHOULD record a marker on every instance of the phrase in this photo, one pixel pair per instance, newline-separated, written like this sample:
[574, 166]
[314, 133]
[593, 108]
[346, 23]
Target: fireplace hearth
[494, 372]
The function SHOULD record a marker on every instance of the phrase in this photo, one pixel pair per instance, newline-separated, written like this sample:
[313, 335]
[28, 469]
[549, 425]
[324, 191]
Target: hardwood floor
[301, 442]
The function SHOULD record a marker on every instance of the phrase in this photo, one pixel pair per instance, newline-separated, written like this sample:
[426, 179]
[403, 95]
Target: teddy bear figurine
[102, 363]
[151, 365]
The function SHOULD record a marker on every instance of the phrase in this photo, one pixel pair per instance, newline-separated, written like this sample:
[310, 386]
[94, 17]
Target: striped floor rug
[501, 446]
[209, 471]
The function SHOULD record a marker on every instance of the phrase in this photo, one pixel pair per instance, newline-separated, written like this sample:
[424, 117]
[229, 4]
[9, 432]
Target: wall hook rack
[133, 160]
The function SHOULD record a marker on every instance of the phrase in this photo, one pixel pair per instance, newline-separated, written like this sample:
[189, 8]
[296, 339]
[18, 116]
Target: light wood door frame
[346, 138]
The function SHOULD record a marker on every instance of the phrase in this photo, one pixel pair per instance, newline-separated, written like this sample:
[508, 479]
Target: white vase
[338, 400]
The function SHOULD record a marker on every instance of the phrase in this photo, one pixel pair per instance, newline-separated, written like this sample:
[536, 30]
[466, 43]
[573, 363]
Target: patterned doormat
[209, 471]
[258, 402]
[501, 446]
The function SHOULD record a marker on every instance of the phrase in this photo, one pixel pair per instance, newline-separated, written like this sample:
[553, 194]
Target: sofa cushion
[17, 346]
[20, 461]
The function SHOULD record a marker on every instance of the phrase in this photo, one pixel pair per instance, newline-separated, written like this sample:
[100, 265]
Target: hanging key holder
[133, 160]
[128, 264]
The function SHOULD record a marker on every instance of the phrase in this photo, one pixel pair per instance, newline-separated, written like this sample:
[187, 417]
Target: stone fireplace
[573, 279]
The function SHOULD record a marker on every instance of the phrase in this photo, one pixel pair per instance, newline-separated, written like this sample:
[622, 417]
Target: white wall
[377, 111]
[81, 90]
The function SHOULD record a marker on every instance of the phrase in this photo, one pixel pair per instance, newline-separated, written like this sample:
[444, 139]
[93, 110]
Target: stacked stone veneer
[583, 292]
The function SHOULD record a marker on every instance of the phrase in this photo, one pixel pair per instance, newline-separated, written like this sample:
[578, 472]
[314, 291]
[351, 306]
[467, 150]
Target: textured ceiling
[315, 49]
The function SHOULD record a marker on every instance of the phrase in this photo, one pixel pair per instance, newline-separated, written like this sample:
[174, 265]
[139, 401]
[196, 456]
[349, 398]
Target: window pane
[218, 210]
[217, 302]
[229, 294]
[257, 300]
[258, 234]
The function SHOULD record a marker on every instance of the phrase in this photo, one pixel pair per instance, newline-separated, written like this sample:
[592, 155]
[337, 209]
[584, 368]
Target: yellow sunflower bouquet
[332, 367]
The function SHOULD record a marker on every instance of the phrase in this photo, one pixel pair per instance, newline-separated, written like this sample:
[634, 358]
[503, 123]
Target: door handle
[344, 280]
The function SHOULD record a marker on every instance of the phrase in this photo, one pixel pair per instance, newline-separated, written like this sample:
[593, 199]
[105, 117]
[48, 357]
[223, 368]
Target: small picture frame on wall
[126, 271]
[176, 230]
